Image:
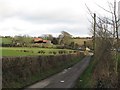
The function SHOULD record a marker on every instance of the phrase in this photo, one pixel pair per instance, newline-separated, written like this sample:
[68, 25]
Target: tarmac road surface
[65, 79]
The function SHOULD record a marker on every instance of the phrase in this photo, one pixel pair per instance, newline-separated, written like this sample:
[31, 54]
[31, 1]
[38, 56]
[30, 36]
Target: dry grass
[80, 41]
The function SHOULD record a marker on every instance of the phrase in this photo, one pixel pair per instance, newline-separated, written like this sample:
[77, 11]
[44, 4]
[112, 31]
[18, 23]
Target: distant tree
[7, 36]
[85, 44]
[65, 38]
[18, 40]
[22, 40]
[76, 46]
[50, 37]
[72, 45]
[47, 37]
[76, 37]
[55, 40]
[27, 40]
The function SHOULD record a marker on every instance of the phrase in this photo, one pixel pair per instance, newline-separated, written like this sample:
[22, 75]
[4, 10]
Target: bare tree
[105, 32]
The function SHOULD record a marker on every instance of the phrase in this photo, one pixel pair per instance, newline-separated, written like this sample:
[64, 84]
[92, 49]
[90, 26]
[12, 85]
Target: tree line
[64, 40]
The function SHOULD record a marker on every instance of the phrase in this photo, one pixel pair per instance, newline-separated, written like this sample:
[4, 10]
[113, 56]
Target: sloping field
[24, 51]
[81, 41]
[6, 40]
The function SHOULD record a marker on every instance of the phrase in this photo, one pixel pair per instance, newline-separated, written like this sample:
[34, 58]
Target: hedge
[19, 72]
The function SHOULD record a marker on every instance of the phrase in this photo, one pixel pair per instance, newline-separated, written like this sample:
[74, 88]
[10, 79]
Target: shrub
[41, 52]
[54, 52]
[50, 52]
[25, 51]
[75, 51]
[70, 51]
[61, 52]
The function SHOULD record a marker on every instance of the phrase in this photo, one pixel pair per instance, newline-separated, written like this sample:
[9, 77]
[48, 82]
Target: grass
[85, 80]
[6, 40]
[25, 51]
[119, 57]
[119, 70]
[81, 41]
[119, 61]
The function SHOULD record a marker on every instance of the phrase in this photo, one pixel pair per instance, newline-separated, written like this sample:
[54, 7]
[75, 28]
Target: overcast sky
[38, 17]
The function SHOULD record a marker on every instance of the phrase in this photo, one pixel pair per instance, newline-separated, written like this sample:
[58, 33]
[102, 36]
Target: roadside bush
[75, 51]
[25, 50]
[41, 52]
[64, 52]
[70, 51]
[61, 52]
[118, 86]
[54, 52]
[50, 52]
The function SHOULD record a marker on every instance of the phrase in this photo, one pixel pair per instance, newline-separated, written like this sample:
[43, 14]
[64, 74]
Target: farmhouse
[45, 41]
[37, 40]
[40, 40]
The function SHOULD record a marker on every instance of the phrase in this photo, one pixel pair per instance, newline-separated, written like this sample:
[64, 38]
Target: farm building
[40, 40]
[37, 40]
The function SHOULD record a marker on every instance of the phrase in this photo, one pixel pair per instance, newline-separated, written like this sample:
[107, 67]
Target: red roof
[45, 40]
[38, 39]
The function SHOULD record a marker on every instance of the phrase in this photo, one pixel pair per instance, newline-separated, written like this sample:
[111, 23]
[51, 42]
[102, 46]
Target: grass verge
[85, 80]
[119, 71]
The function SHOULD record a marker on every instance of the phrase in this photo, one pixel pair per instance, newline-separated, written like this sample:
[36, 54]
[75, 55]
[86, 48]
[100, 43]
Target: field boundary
[26, 70]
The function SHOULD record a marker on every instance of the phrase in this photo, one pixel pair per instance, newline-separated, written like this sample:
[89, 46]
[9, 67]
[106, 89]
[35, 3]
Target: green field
[6, 40]
[24, 51]
[81, 41]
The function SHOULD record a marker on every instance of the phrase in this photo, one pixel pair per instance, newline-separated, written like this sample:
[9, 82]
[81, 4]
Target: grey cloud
[72, 31]
[66, 19]
[49, 18]
[61, 15]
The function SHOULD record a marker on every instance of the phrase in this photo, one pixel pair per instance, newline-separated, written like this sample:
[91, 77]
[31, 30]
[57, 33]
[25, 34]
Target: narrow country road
[65, 79]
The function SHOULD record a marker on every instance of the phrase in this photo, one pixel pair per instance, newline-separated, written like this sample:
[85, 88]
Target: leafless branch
[104, 9]
[90, 12]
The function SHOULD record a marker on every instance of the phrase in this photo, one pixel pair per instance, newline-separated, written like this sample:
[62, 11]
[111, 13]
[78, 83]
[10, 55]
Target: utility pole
[117, 37]
[94, 32]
